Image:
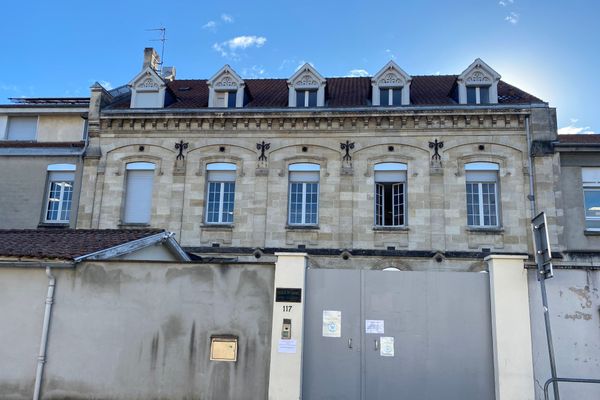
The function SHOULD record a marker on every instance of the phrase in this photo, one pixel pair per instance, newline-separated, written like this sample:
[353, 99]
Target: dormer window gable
[147, 90]
[306, 88]
[226, 89]
[391, 86]
[478, 84]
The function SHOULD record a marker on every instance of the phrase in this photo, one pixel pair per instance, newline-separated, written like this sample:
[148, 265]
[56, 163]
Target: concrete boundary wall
[137, 330]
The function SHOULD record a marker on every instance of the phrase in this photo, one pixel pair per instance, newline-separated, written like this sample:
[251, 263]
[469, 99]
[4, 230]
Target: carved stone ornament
[391, 79]
[307, 81]
[148, 83]
[478, 77]
[226, 83]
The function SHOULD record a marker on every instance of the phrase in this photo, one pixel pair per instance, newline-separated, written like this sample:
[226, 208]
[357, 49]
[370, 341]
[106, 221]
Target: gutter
[45, 329]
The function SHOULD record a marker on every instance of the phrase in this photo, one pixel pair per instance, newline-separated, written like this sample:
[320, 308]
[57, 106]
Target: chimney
[168, 73]
[151, 58]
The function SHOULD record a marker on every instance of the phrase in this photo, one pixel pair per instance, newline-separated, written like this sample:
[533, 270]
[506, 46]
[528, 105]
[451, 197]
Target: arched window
[304, 194]
[482, 194]
[61, 179]
[390, 194]
[138, 193]
[220, 193]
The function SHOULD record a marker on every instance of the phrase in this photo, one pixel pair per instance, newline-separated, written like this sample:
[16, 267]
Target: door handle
[350, 343]
[376, 345]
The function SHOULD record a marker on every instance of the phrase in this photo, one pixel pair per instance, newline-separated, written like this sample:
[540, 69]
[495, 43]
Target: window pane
[397, 97]
[228, 200]
[312, 98]
[472, 204]
[296, 203]
[379, 204]
[300, 98]
[384, 97]
[484, 95]
[471, 99]
[489, 204]
[312, 190]
[592, 208]
[398, 211]
[231, 99]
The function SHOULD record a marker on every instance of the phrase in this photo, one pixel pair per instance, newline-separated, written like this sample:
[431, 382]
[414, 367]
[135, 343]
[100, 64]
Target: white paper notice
[286, 346]
[332, 323]
[386, 348]
[374, 326]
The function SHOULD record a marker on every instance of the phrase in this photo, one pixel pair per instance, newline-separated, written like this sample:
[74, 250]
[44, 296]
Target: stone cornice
[326, 120]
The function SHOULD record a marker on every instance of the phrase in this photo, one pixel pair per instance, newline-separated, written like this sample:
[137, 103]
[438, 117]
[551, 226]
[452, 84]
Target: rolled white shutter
[138, 196]
[221, 176]
[482, 176]
[22, 128]
[304, 176]
[390, 176]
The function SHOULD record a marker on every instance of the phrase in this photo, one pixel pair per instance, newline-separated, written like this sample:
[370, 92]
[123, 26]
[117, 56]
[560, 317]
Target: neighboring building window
[390, 194]
[138, 193]
[22, 128]
[478, 94]
[225, 99]
[482, 194]
[306, 98]
[220, 193]
[304, 194]
[591, 196]
[390, 96]
[61, 179]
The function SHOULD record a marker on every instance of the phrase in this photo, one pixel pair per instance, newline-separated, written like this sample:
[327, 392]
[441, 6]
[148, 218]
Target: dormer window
[226, 89]
[478, 84]
[148, 90]
[391, 86]
[306, 88]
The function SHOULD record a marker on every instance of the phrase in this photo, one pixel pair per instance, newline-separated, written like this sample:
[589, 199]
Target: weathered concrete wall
[129, 330]
[23, 185]
[60, 128]
[574, 303]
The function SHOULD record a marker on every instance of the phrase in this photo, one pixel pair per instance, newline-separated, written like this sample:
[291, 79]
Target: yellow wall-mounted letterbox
[223, 348]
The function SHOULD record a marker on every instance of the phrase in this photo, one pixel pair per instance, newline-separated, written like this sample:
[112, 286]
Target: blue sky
[550, 48]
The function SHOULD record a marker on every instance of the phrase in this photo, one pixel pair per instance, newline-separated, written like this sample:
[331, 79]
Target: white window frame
[309, 168]
[227, 94]
[226, 169]
[391, 168]
[307, 97]
[68, 172]
[478, 93]
[483, 167]
[137, 166]
[390, 94]
[590, 179]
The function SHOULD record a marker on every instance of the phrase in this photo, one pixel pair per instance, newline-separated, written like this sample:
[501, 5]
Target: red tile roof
[579, 139]
[65, 244]
[339, 92]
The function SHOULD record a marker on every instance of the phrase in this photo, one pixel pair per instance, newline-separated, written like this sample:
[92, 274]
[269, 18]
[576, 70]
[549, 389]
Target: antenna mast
[163, 39]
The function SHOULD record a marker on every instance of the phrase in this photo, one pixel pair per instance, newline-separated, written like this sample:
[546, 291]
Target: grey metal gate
[428, 336]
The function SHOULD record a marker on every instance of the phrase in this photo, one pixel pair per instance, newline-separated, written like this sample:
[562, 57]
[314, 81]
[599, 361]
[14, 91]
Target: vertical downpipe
[44, 341]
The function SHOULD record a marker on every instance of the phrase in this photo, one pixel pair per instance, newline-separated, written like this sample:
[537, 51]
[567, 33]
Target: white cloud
[210, 25]
[505, 3]
[513, 18]
[575, 130]
[358, 72]
[227, 18]
[106, 85]
[230, 47]
[256, 71]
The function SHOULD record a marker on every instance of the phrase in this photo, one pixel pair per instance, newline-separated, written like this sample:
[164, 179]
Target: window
[591, 197]
[306, 98]
[390, 194]
[482, 194]
[220, 193]
[226, 99]
[61, 178]
[304, 194]
[390, 97]
[138, 193]
[478, 94]
[21, 128]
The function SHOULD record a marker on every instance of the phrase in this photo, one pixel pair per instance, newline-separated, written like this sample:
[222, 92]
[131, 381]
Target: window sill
[217, 227]
[390, 228]
[302, 227]
[591, 232]
[492, 230]
[133, 225]
[58, 225]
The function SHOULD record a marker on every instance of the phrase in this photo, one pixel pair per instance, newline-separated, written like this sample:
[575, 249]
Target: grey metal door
[439, 323]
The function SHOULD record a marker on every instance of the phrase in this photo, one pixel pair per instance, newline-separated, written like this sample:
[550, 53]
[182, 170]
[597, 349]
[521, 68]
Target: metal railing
[573, 380]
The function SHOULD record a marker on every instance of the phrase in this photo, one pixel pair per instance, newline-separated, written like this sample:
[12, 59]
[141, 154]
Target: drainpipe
[44, 342]
[541, 280]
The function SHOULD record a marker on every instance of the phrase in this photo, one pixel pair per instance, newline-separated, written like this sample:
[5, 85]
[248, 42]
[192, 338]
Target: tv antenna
[162, 39]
